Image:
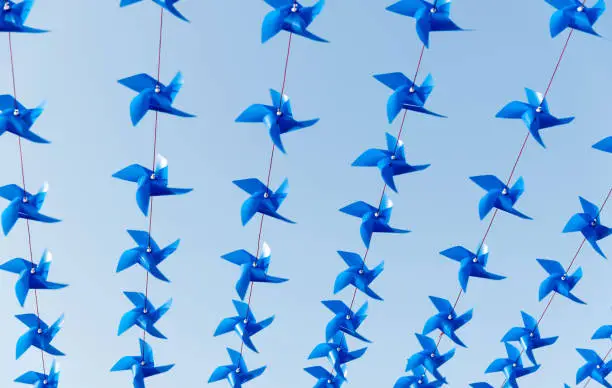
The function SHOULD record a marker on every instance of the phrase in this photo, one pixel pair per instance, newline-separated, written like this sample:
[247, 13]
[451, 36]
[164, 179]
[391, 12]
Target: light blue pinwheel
[357, 274]
[147, 254]
[499, 195]
[529, 336]
[237, 372]
[471, 264]
[23, 205]
[168, 5]
[594, 368]
[447, 320]
[512, 367]
[13, 17]
[18, 120]
[39, 335]
[604, 145]
[589, 224]
[338, 353]
[574, 14]
[142, 366]
[244, 324]
[41, 380]
[345, 320]
[429, 358]
[559, 281]
[291, 16]
[144, 314]
[262, 199]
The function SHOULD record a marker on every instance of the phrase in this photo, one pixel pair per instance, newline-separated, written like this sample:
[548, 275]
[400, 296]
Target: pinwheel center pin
[504, 191]
[433, 10]
[514, 365]
[539, 109]
[245, 321]
[7, 6]
[594, 223]
[580, 8]
[237, 370]
[329, 381]
[475, 260]
[45, 382]
[16, 112]
[152, 177]
[142, 362]
[294, 8]
[598, 366]
[450, 317]
[564, 277]
[157, 89]
[376, 214]
[348, 317]
[144, 311]
[411, 89]
[393, 157]
[254, 264]
[33, 271]
[266, 195]
[420, 381]
[24, 200]
[39, 331]
[432, 355]
[531, 335]
[360, 272]
[338, 348]
[149, 250]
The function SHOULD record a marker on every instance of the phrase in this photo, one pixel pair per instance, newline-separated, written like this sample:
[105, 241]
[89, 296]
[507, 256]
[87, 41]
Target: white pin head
[412, 89]
[16, 112]
[348, 317]
[450, 317]
[433, 10]
[580, 8]
[539, 109]
[505, 191]
[149, 250]
[33, 271]
[157, 89]
[7, 6]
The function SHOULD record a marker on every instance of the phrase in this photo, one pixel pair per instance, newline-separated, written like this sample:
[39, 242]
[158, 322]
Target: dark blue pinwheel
[153, 95]
[373, 219]
[142, 366]
[345, 320]
[604, 332]
[595, 368]
[150, 183]
[447, 320]
[244, 324]
[604, 145]
[499, 195]
[253, 269]
[529, 336]
[419, 379]
[41, 380]
[144, 314]
[168, 5]
[337, 352]
[325, 378]
[277, 117]
[39, 335]
[429, 17]
[357, 274]
[559, 281]
[23, 205]
[291, 16]
[13, 17]
[574, 14]
[589, 224]
[512, 367]
[237, 372]
[406, 94]
[534, 113]
[18, 120]
[147, 254]
[262, 199]
[31, 276]
[391, 162]
[429, 358]
[471, 264]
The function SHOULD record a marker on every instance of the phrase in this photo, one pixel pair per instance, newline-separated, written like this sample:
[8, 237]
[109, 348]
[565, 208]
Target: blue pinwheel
[406, 94]
[529, 336]
[153, 95]
[574, 14]
[604, 145]
[589, 224]
[291, 16]
[429, 358]
[481, 385]
[41, 380]
[23, 205]
[595, 368]
[429, 17]
[31, 276]
[244, 324]
[373, 219]
[471, 264]
[142, 366]
[604, 332]
[345, 320]
[150, 183]
[39, 335]
[147, 254]
[254, 269]
[499, 195]
[168, 5]
[144, 314]
[262, 199]
[277, 117]
[325, 378]
[559, 280]
[447, 320]
[534, 113]
[418, 379]
[18, 120]
[337, 352]
[391, 162]
[512, 367]
[13, 17]
[357, 274]
[237, 372]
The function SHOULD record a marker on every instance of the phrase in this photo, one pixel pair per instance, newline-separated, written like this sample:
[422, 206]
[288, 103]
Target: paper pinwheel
[168, 5]
[589, 224]
[604, 145]
[358, 274]
[512, 367]
[150, 183]
[142, 366]
[40, 380]
[391, 162]
[337, 352]
[237, 372]
[406, 94]
[325, 379]
[291, 16]
[262, 199]
[345, 320]
[559, 280]
[144, 314]
[574, 14]
[148, 254]
[594, 368]
[499, 195]
[419, 379]
[244, 324]
[13, 17]
[277, 117]
[31, 276]
[481, 385]
[429, 358]
[446, 320]
[534, 113]
[39, 335]
[472, 265]
[253, 269]
[373, 219]
[153, 95]
[529, 336]
[604, 332]
[429, 17]
[23, 205]
[18, 120]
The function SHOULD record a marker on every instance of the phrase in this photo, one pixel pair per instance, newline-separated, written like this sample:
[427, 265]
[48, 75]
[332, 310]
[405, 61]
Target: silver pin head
[16, 112]
[433, 10]
[393, 157]
[39, 331]
[376, 214]
[505, 191]
[157, 89]
[7, 6]
[412, 89]
[475, 260]
[580, 8]
[360, 272]
[237, 370]
[279, 113]
[145, 311]
[539, 109]
[24, 199]
[348, 317]
[450, 317]
[149, 250]
[33, 271]
[294, 8]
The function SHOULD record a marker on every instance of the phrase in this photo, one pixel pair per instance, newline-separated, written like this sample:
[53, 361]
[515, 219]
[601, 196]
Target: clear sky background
[226, 68]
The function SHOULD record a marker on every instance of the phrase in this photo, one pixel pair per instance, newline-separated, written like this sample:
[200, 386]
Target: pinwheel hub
[245, 321]
[329, 381]
[7, 6]
[266, 195]
[598, 367]
[531, 335]
[45, 382]
[412, 89]
[142, 362]
[149, 250]
[514, 365]
[338, 349]
[294, 8]
[505, 191]
[152, 177]
[254, 264]
[157, 89]
[393, 157]
[33, 271]
[433, 10]
[563, 277]
[433, 355]
[361, 272]
[39, 331]
[475, 259]
[376, 214]
[144, 311]
[24, 200]
[420, 381]
[16, 112]
[580, 8]
[348, 317]
[237, 370]
[450, 317]
[594, 223]
[279, 113]
[539, 109]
